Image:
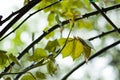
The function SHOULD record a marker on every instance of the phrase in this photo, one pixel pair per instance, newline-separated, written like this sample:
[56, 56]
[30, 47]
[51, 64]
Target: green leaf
[27, 77]
[51, 18]
[73, 48]
[68, 49]
[69, 14]
[39, 54]
[51, 46]
[26, 2]
[61, 41]
[84, 24]
[58, 20]
[77, 49]
[87, 48]
[14, 59]
[3, 57]
[8, 78]
[87, 51]
[51, 67]
[40, 75]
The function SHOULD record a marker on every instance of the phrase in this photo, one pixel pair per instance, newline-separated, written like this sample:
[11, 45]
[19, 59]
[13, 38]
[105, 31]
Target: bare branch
[103, 34]
[22, 11]
[9, 17]
[105, 16]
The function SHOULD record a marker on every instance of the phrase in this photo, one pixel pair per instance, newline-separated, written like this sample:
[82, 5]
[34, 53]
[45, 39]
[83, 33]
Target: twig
[93, 56]
[103, 34]
[12, 73]
[9, 17]
[22, 11]
[65, 40]
[33, 37]
[105, 16]
[52, 29]
[27, 19]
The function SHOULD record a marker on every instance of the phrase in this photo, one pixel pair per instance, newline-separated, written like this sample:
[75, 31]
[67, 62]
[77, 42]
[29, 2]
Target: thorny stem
[22, 11]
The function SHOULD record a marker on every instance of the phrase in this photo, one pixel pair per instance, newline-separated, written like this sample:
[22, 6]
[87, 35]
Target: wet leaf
[39, 54]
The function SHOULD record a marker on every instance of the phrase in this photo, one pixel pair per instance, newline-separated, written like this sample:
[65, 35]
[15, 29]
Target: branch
[28, 18]
[93, 56]
[103, 34]
[52, 29]
[12, 73]
[9, 17]
[22, 11]
[105, 16]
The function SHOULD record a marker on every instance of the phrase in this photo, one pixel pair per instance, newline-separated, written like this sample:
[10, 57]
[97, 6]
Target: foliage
[68, 15]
